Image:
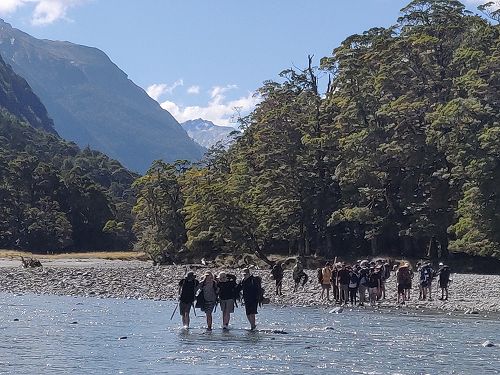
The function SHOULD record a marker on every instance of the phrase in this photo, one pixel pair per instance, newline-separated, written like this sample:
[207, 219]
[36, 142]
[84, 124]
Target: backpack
[320, 275]
[200, 300]
[404, 275]
[261, 299]
[277, 273]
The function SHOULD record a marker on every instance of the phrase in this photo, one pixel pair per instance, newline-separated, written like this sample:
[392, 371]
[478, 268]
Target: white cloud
[194, 90]
[10, 6]
[218, 91]
[158, 89]
[218, 110]
[496, 3]
[44, 11]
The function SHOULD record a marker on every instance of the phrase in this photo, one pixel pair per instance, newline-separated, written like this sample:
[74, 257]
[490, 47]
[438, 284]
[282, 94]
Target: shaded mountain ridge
[92, 101]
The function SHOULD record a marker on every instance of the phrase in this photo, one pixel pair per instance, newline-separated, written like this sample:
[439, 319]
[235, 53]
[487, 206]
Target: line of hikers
[223, 290]
[352, 283]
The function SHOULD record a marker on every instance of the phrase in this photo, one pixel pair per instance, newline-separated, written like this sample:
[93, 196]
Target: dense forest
[399, 155]
[54, 196]
[390, 146]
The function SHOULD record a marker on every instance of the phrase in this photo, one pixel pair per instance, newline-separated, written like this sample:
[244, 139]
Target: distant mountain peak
[206, 133]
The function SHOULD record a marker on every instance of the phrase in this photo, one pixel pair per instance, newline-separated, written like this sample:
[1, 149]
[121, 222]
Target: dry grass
[110, 255]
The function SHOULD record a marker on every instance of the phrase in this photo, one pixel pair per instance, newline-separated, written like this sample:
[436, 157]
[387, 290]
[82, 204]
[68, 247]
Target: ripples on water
[65, 335]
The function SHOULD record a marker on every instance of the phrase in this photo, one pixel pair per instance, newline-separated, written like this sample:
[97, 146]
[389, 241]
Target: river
[68, 335]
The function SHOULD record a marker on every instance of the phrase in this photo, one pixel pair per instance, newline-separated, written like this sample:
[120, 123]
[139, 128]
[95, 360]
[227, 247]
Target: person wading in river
[187, 290]
[227, 291]
[252, 295]
[209, 290]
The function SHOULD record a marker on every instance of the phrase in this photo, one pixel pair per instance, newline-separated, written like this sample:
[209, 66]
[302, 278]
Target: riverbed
[469, 293]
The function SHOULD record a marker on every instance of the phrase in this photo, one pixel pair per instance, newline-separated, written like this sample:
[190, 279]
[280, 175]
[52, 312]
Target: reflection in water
[77, 336]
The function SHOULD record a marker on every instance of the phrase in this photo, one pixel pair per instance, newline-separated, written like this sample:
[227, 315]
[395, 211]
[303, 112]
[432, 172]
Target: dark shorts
[443, 284]
[184, 308]
[251, 307]
[208, 307]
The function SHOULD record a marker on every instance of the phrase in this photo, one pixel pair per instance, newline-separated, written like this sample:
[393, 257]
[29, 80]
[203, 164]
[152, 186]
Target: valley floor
[105, 278]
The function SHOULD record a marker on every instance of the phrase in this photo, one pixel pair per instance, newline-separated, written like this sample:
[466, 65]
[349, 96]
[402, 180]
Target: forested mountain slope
[54, 196]
[93, 103]
[17, 98]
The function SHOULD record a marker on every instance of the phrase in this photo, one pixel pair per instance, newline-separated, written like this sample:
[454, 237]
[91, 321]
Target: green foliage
[401, 154]
[159, 223]
[54, 197]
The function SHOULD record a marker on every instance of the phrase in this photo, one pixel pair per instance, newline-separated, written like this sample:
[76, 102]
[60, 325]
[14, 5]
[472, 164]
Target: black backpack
[261, 299]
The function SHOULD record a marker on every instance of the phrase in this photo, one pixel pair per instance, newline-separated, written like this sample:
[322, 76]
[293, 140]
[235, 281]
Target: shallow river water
[67, 335]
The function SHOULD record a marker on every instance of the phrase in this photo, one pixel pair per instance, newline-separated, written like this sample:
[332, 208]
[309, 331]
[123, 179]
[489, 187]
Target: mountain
[53, 195]
[17, 98]
[206, 133]
[93, 103]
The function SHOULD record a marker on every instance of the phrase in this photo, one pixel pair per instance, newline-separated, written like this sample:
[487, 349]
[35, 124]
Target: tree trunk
[432, 250]
[307, 245]
[329, 245]
[444, 246]
[373, 244]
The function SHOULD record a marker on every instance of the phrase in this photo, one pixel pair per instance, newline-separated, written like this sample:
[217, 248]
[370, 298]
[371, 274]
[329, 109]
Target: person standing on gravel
[277, 274]
[187, 290]
[326, 276]
[444, 280]
[403, 279]
[227, 292]
[299, 274]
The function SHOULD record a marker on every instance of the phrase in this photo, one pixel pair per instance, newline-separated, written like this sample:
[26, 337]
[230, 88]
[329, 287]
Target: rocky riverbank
[469, 293]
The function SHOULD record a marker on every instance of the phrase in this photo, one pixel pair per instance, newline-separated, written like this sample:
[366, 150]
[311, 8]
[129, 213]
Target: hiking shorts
[209, 306]
[227, 305]
[326, 286]
[251, 307]
[184, 307]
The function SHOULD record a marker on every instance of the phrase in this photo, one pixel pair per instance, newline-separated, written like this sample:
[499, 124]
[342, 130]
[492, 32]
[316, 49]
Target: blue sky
[202, 58]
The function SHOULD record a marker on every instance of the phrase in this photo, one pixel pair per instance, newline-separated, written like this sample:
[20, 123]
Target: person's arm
[180, 288]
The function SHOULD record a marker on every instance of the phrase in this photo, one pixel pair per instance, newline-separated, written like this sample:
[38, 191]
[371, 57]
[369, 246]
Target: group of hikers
[366, 281]
[223, 290]
[352, 283]
[357, 284]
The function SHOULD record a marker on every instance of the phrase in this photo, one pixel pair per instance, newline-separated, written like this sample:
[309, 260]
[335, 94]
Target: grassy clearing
[110, 255]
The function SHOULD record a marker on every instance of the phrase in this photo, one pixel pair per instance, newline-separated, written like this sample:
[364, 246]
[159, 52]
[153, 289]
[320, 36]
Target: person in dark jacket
[187, 290]
[444, 280]
[277, 273]
[251, 287]
[227, 292]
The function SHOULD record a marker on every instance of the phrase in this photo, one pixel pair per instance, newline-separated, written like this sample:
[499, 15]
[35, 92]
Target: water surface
[67, 335]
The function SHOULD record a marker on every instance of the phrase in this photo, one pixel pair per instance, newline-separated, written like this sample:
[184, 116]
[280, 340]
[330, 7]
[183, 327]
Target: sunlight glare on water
[66, 335]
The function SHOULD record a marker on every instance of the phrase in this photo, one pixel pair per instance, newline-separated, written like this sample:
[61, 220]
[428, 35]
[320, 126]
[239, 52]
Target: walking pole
[176, 306]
